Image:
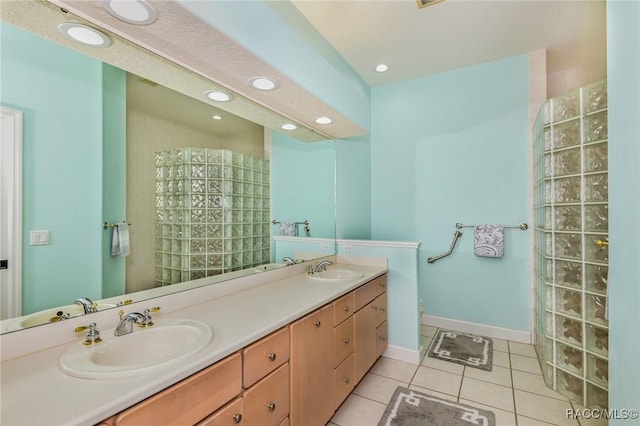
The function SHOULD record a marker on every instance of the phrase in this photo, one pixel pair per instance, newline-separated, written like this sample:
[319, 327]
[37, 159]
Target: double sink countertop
[35, 391]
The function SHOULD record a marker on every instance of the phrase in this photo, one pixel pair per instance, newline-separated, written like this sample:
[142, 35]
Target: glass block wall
[212, 213]
[571, 244]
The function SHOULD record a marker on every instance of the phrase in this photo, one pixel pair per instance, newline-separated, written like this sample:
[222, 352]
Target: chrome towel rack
[522, 226]
[456, 235]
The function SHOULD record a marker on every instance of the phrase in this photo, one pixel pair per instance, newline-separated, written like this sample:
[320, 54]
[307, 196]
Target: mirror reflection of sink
[142, 351]
[337, 274]
[269, 267]
[55, 314]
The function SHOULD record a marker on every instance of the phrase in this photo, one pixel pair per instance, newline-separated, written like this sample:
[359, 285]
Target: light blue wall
[454, 148]
[353, 188]
[60, 93]
[623, 49]
[303, 184]
[279, 35]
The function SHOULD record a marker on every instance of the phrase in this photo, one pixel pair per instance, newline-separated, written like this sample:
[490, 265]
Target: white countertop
[35, 392]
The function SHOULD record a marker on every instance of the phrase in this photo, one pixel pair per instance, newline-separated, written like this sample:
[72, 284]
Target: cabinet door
[267, 402]
[364, 348]
[229, 415]
[343, 382]
[381, 308]
[311, 363]
[381, 339]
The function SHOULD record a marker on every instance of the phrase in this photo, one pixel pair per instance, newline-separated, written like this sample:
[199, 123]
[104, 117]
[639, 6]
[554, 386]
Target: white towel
[288, 229]
[488, 240]
[120, 240]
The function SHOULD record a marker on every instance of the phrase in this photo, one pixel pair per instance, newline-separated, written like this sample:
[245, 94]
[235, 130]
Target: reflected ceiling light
[84, 34]
[382, 68]
[263, 83]
[218, 96]
[216, 117]
[288, 126]
[137, 12]
[323, 120]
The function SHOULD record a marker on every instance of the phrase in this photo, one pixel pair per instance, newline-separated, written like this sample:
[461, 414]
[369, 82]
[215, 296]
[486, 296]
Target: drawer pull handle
[237, 418]
[272, 356]
[317, 323]
[346, 340]
[346, 309]
[347, 380]
[271, 406]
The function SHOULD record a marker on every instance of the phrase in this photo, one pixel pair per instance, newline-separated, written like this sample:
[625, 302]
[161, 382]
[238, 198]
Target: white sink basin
[337, 275]
[269, 267]
[139, 352]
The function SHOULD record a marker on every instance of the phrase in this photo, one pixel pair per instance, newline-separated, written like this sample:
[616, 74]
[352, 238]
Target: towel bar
[522, 226]
[112, 225]
[456, 235]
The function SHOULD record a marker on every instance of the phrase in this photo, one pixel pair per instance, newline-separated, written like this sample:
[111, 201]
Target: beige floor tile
[378, 388]
[439, 364]
[534, 383]
[526, 421]
[501, 359]
[394, 369]
[431, 392]
[525, 363]
[522, 349]
[500, 345]
[503, 418]
[425, 341]
[358, 411]
[441, 381]
[542, 408]
[487, 393]
[497, 375]
[427, 330]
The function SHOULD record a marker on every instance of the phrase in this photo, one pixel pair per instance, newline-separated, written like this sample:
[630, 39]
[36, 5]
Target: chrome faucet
[289, 261]
[323, 265]
[125, 326]
[87, 305]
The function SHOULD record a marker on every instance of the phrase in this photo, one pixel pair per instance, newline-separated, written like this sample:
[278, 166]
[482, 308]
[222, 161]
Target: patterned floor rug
[411, 408]
[461, 348]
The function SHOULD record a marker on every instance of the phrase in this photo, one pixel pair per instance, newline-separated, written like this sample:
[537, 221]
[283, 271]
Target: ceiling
[452, 34]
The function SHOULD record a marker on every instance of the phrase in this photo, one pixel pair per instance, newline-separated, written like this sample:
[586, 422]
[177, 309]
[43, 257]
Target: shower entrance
[571, 244]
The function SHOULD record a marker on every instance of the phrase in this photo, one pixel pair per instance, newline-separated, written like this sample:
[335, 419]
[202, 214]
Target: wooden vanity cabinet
[369, 324]
[311, 362]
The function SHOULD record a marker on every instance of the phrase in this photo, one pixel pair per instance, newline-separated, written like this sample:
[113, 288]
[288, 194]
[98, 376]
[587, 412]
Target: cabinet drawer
[229, 415]
[343, 308]
[267, 402]
[381, 308]
[343, 341]
[381, 338]
[370, 291]
[191, 400]
[343, 381]
[264, 356]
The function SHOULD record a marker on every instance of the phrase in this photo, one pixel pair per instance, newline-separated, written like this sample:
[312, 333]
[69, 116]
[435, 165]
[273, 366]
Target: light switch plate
[39, 238]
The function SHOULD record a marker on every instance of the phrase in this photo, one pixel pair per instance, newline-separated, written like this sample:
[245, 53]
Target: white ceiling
[452, 34]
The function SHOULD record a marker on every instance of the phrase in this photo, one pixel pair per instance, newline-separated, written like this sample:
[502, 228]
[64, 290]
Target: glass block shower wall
[571, 244]
[212, 213]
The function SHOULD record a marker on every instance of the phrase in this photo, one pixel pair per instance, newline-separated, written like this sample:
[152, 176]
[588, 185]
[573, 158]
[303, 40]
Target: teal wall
[623, 62]
[279, 35]
[353, 188]
[303, 184]
[60, 93]
[453, 148]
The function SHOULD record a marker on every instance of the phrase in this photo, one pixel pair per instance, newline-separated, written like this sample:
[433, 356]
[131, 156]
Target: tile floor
[514, 390]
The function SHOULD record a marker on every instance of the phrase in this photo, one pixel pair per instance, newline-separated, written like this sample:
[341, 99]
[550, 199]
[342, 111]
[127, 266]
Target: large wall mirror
[207, 195]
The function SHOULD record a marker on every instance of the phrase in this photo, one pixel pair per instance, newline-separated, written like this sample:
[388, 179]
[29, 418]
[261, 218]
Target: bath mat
[411, 408]
[461, 348]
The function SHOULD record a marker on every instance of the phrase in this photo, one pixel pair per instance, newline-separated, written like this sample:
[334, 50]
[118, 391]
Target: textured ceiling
[456, 33]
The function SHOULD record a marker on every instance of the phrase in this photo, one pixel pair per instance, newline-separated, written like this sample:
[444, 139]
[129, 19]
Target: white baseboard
[479, 329]
[403, 354]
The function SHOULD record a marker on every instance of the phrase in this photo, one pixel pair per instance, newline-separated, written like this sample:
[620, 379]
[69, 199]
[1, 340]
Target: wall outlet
[39, 238]
[325, 247]
[347, 248]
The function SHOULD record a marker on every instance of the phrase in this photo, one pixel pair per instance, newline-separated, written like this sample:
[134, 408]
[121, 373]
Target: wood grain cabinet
[371, 306]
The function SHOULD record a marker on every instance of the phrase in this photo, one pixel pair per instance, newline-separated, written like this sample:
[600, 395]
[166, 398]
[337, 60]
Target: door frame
[11, 211]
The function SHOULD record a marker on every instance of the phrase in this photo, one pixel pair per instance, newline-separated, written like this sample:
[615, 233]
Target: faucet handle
[147, 321]
[93, 336]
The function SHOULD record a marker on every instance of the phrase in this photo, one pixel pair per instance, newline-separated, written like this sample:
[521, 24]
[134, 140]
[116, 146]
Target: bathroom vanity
[284, 352]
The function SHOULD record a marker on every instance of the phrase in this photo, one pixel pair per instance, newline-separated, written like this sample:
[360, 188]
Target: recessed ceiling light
[323, 120]
[382, 68]
[84, 34]
[288, 126]
[218, 96]
[216, 117]
[263, 83]
[137, 12]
